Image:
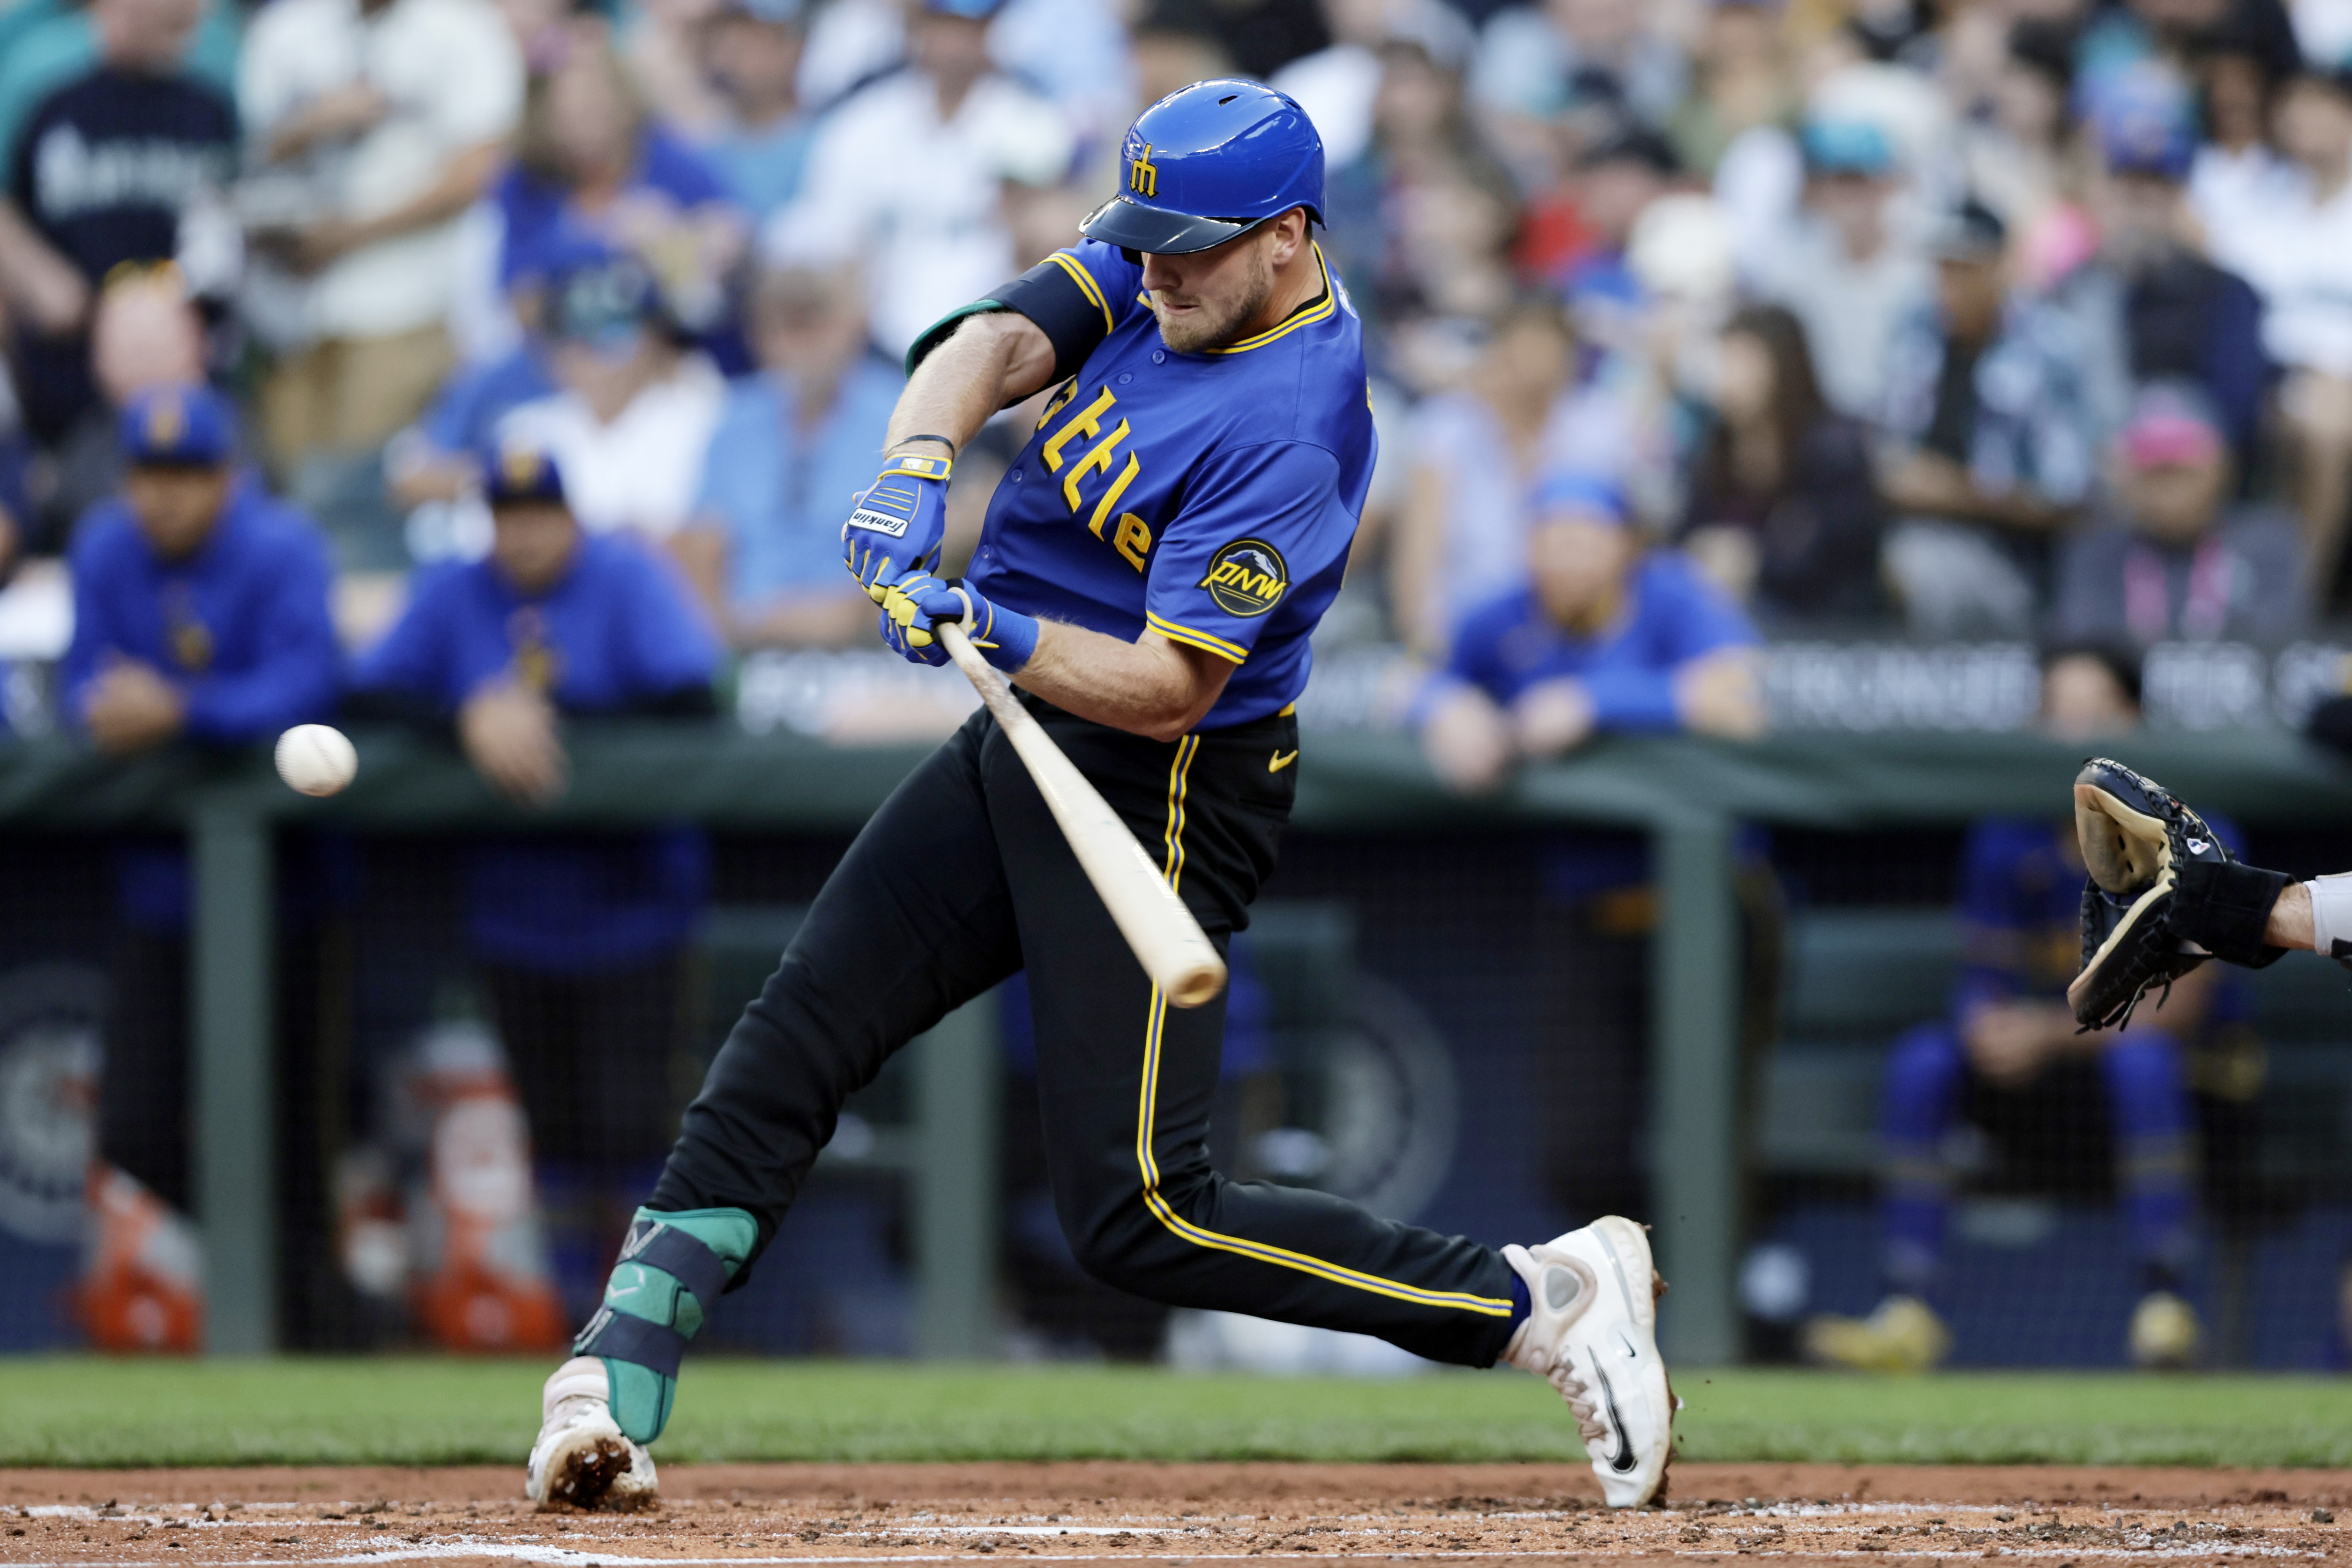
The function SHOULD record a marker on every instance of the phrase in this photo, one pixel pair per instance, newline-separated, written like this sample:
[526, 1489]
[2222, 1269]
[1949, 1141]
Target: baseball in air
[316, 758]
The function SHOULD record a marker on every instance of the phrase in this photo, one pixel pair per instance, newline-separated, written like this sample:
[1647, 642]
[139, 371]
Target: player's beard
[1208, 326]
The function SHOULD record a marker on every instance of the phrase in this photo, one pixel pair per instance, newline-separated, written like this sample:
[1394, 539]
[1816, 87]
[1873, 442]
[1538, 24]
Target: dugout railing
[1690, 796]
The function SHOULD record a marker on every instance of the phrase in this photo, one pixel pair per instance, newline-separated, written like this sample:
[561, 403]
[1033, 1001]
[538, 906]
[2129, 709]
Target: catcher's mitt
[2164, 894]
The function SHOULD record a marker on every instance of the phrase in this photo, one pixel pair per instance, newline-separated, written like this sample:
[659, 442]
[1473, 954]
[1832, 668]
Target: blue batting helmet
[1206, 162]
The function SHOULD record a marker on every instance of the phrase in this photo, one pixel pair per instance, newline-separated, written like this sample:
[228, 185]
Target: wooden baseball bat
[1167, 942]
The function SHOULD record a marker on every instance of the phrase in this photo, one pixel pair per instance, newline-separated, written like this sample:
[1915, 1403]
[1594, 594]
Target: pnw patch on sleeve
[1247, 578]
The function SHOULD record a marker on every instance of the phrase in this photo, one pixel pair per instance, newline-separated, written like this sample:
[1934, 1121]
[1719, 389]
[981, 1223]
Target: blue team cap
[970, 10]
[1207, 162]
[1847, 147]
[519, 474]
[598, 297]
[2145, 123]
[1591, 496]
[178, 427]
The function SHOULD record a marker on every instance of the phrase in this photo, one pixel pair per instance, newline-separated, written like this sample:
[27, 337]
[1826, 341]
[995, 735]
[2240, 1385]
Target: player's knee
[1922, 1068]
[1118, 1231]
[1113, 1254]
[2146, 1072]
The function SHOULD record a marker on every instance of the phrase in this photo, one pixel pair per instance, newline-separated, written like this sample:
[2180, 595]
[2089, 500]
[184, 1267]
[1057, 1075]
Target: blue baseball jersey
[616, 630]
[1672, 615]
[240, 627]
[2020, 918]
[1211, 497]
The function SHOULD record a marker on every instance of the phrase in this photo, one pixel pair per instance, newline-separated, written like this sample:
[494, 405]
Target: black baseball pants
[962, 878]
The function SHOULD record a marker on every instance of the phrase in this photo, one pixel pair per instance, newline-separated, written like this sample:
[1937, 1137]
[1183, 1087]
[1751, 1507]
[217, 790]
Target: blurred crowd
[1973, 319]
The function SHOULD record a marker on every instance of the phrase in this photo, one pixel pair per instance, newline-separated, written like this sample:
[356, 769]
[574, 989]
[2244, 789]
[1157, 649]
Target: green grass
[73, 1411]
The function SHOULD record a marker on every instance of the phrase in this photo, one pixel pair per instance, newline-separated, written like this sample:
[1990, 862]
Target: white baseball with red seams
[317, 758]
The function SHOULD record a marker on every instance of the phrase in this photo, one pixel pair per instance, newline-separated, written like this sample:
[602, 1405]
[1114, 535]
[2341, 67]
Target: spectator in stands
[2237, 175]
[753, 50]
[1783, 511]
[374, 124]
[433, 469]
[1173, 48]
[633, 411]
[1419, 220]
[2172, 558]
[1742, 82]
[1339, 86]
[2090, 691]
[2017, 159]
[2148, 305]
[593, 171]
[1607, 638]
[982, 142]
[1993, 442]
[1474, 455]
[199, 614]
[581, 937]
[100, 174]
[47, 44]
[144, 333]
[1537, 62]
[1844, 268]
[2296, 250]
[1617, 178]
[2008, 1059]
[764, 544]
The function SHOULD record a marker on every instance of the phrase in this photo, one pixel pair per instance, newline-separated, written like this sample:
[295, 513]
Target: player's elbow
[1175, 728]
[1189, 682]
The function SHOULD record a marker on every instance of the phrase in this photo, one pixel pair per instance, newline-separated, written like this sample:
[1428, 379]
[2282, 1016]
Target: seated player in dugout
[1608, 637]
[2010, 1058]
[200, 616]
[581, 937]
[1149, 574]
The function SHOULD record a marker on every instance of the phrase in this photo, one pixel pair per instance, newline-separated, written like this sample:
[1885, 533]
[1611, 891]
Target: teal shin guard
[672, 1267]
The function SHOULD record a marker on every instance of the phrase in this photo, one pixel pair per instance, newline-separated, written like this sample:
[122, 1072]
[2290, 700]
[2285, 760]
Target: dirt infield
[1167, 1515]
[1172, 1514]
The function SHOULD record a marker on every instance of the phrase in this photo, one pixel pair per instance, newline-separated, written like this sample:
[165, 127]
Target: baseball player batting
[1150, 570]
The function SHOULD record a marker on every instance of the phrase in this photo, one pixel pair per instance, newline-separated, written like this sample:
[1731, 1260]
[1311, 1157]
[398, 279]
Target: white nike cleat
[582, 1459]
[1592, 1334]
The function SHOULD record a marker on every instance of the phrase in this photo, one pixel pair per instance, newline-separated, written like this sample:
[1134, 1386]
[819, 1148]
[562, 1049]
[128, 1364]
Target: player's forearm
[2290, 924]
[463, 180]
[1150, 687]
[989, 362]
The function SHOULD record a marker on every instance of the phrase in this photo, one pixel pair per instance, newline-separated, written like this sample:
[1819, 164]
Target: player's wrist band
[943, 440]
[2331, 912]
[2224, 906]
[1005, 638]
[916, 466]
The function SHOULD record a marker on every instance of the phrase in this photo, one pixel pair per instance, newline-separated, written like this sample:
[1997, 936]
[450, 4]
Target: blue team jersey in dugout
[616, 630]
[1211, 497]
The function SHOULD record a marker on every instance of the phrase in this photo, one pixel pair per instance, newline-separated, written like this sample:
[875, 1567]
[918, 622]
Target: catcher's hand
[2164, 894]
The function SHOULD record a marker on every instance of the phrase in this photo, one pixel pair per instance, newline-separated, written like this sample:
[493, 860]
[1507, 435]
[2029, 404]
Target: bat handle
[993, 690]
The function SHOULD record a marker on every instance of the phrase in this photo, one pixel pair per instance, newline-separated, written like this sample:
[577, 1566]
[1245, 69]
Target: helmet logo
[1142, 174]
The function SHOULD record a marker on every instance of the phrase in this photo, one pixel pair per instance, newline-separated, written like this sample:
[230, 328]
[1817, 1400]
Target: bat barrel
[1195, 985]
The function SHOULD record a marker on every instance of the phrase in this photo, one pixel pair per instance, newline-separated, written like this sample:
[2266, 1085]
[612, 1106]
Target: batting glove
[897, 522]
[913, 605]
